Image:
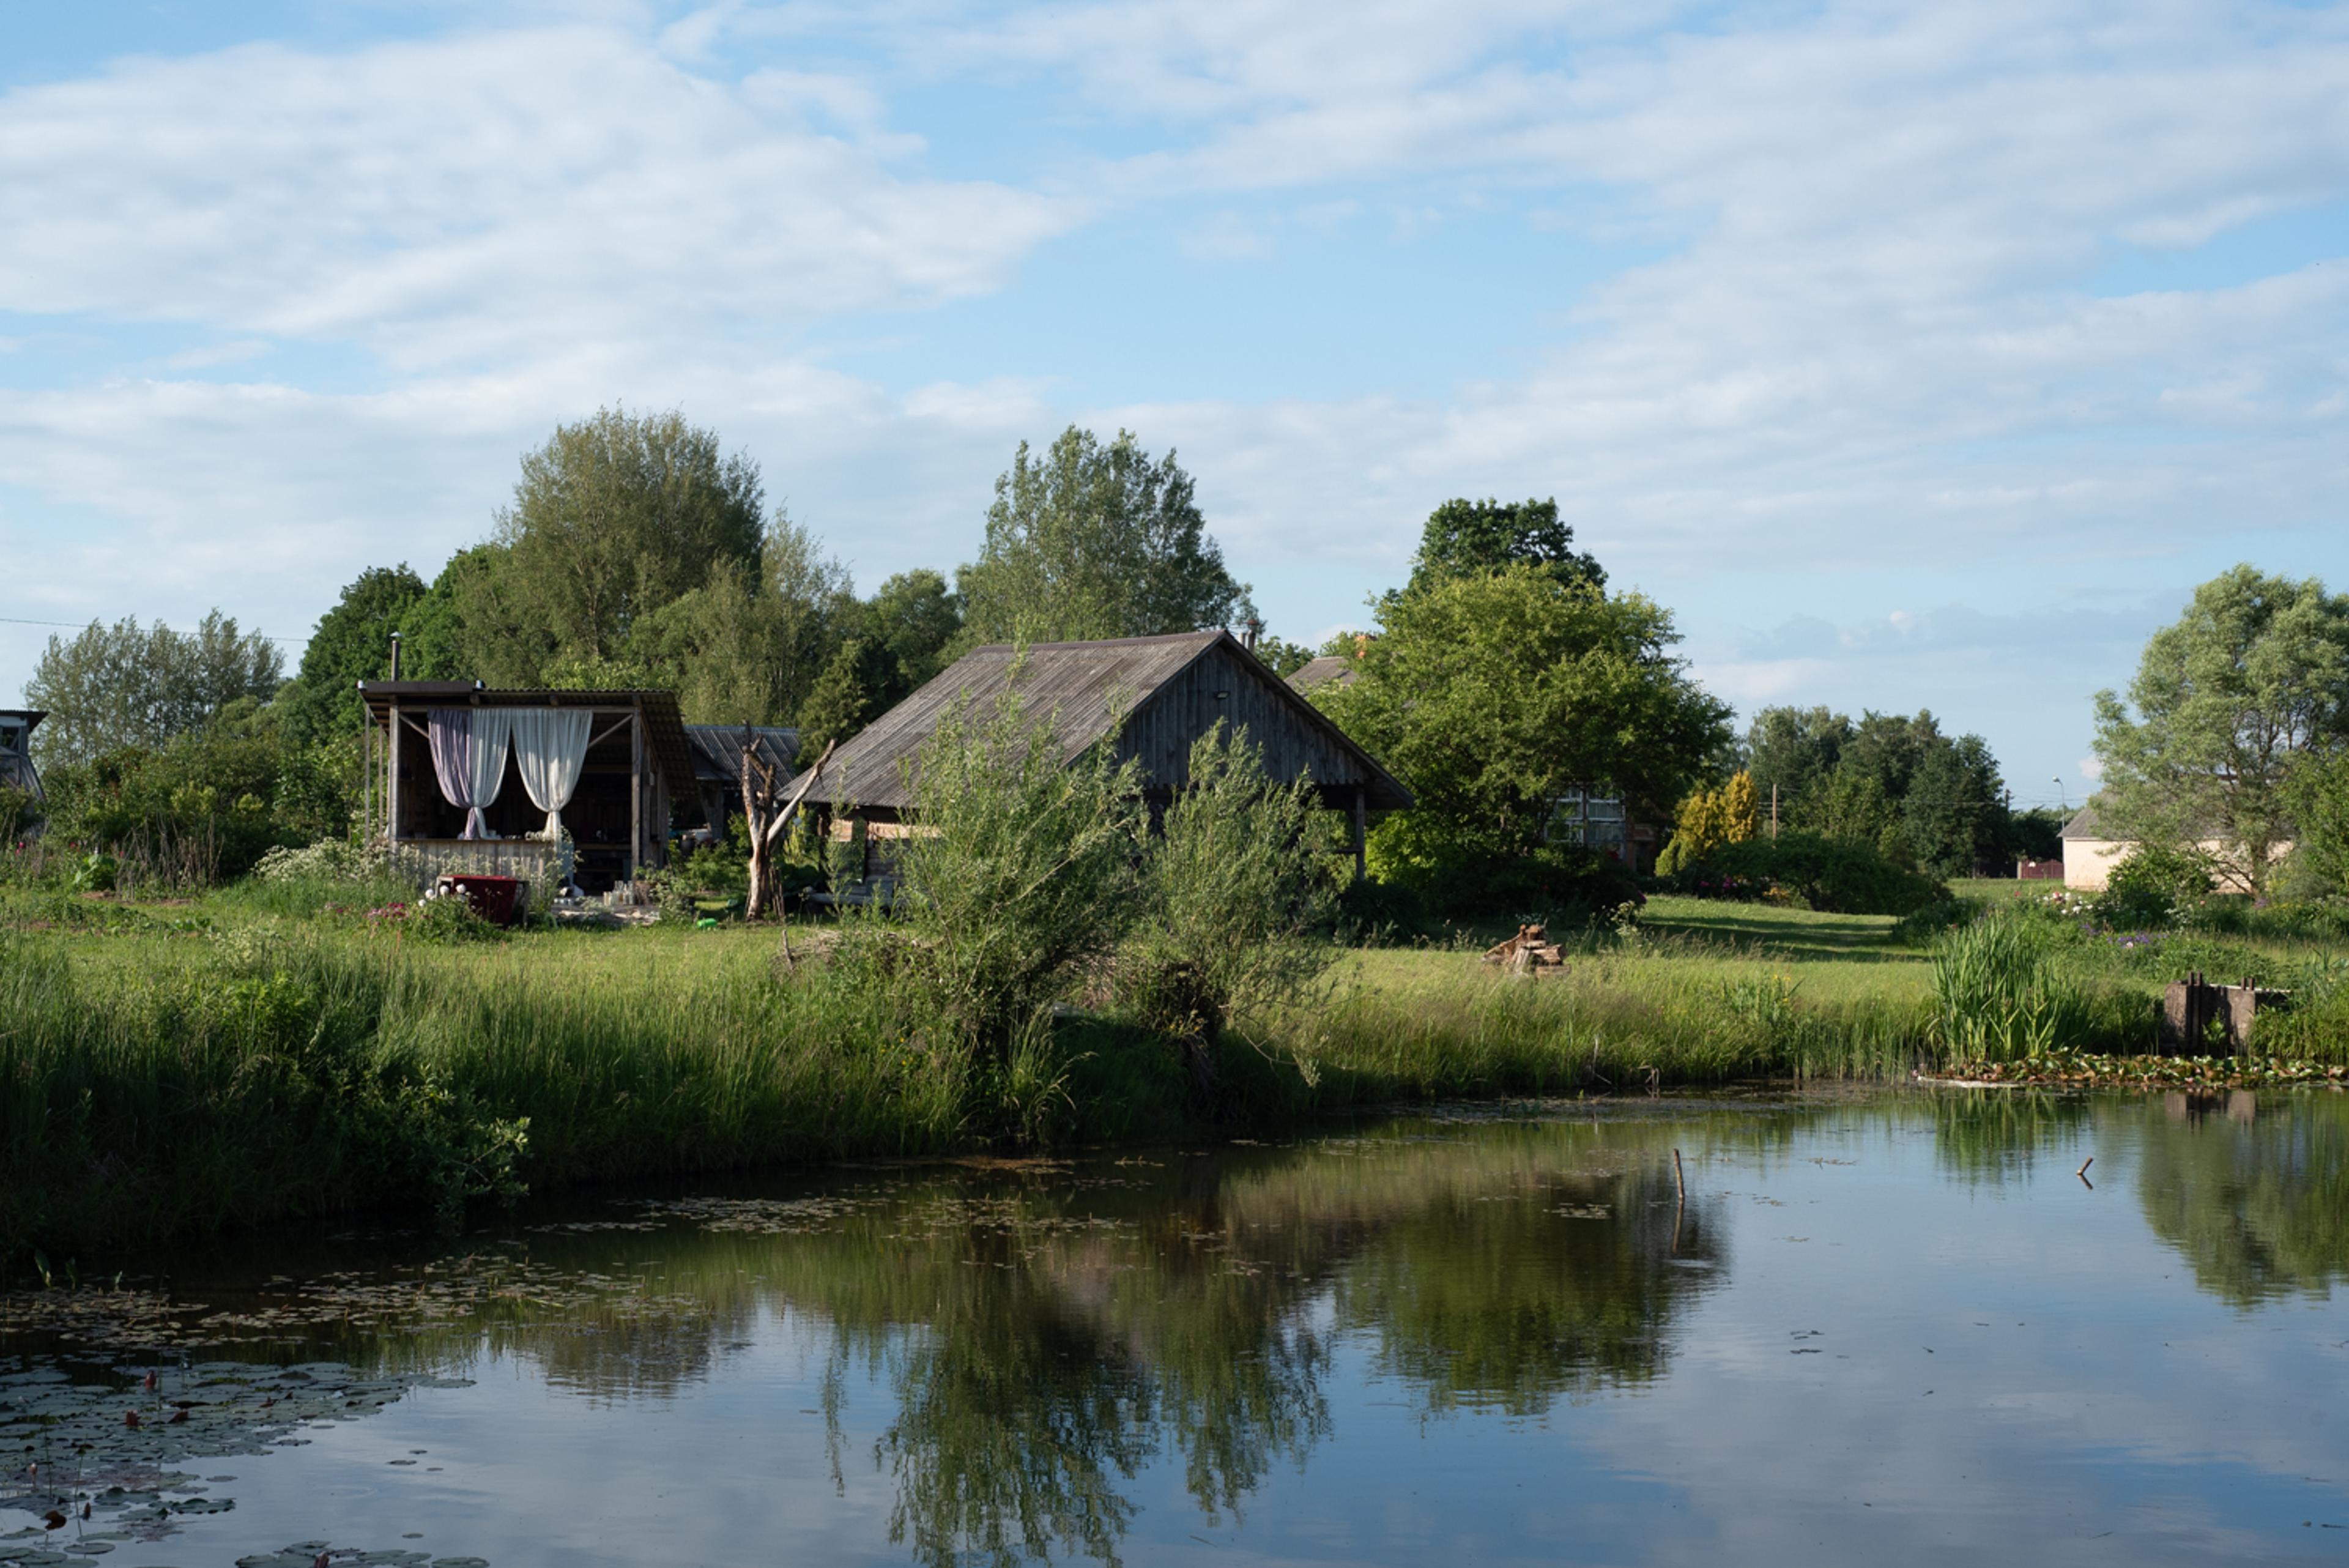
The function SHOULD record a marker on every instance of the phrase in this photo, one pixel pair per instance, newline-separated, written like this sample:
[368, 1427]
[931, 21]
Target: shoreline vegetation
[260, 1056]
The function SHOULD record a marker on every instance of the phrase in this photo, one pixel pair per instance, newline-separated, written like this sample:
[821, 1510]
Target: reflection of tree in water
[1053, 1358]
[1045, 1335]
[1510, 1304]
[1039, 1359]
[1993, 1136]
[2256, 1200]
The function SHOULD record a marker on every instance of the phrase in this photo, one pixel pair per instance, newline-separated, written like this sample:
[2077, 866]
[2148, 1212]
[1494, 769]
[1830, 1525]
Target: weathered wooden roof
[1085, 689]
[718, 750]
[664, 725]
[1321, 671]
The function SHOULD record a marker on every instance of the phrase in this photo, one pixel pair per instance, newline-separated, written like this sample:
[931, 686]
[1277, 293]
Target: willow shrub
[1233, 891]
[1017, 880]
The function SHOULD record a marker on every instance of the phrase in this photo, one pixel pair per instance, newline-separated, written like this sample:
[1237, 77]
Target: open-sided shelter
[1150, 698]
[464, 777]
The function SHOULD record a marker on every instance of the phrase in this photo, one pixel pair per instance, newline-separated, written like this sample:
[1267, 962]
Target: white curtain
[469, 758]
[550, 750]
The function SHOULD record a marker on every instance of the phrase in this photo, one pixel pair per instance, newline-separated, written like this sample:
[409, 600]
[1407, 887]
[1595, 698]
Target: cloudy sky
[1914, 355]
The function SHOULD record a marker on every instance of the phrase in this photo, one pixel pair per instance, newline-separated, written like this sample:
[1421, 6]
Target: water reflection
[1019, 1356]
[2254, 1194]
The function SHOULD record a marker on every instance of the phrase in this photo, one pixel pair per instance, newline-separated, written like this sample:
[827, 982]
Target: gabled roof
[718, 750]
[1321, 671]
[2083, 824]
[1085, 688]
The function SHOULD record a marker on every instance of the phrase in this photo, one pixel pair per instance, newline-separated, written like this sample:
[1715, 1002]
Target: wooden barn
[1170, 691]
[463, 776]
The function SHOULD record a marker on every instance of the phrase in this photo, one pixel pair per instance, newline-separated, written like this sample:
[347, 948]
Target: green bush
[450, 918]
[1467, 877]
[1836, 876]
[1018, 876]
[20, 816]
[2148, 885]
[1232, 886]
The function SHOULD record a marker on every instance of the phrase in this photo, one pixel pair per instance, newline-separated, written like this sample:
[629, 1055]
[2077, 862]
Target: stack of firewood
[1530, 951]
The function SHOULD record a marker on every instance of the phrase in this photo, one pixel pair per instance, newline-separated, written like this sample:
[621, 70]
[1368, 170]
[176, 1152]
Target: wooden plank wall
[1160, 730]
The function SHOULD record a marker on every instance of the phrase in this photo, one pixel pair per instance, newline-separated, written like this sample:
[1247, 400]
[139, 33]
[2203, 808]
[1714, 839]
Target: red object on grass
[497, 900]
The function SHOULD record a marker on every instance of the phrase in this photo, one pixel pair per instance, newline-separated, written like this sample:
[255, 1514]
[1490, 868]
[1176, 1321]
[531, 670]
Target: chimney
[395, 656]
[1250, 630]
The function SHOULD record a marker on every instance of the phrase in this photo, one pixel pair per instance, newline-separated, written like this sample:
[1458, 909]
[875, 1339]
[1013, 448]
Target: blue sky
[1914, 356]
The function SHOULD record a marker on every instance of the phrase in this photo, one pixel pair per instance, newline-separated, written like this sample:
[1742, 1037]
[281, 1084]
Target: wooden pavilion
[637, 761]
[1168, 691]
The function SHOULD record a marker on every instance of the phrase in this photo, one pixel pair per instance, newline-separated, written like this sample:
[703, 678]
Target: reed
[2003, 993]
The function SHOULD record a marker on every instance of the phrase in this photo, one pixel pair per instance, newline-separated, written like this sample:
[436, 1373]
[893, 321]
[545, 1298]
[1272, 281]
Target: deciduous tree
[1091, 541]
[1491, 695]
[127, 685]
[1464, 539]
[352, 643]
[2248, 684]
[619, 514]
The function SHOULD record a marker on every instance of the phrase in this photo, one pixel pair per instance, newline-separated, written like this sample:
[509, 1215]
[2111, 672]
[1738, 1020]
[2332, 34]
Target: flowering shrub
[334, 860]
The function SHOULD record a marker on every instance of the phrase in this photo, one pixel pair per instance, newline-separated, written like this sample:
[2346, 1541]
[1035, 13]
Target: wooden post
[391, 779]
[367, 777]
[1361, 837]
[635, 792]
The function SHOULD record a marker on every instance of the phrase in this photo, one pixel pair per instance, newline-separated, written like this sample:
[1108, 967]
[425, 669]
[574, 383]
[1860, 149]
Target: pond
[1856, 1328]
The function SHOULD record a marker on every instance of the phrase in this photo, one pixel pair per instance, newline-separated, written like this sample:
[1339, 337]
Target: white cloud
[464, 200]
[1875, 342]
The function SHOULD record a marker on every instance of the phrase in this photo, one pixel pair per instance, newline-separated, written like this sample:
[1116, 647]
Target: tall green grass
[171, 1080]
[2002, 993]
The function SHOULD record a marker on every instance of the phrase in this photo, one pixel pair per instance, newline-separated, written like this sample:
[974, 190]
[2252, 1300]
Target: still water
[1891, 1328]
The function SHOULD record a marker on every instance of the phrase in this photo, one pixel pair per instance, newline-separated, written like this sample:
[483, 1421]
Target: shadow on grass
[1794, 934]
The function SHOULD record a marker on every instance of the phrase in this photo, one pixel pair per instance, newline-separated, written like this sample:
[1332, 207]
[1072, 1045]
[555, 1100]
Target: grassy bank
[180, 1067]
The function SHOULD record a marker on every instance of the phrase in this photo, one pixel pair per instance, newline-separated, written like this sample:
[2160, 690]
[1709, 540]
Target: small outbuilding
[2090, 853]
[467, 779]
[1149, 698]
[16, 769]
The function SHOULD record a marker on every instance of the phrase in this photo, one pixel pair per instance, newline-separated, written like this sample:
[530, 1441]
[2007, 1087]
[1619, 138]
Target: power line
[81, 626]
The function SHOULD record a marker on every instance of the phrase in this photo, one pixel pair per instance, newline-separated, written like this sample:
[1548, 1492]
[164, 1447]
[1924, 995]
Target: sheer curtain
[469, 758]
[551, 750]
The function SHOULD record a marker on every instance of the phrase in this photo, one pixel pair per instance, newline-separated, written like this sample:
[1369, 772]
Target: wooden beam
[635, 792]
[392, 778]
[1361, 837]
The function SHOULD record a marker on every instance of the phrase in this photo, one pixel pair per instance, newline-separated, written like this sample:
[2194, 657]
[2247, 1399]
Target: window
[1586, 816]
[11, 737]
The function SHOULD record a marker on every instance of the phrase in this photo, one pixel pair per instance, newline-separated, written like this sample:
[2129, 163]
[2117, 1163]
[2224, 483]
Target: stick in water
[2083, 1165]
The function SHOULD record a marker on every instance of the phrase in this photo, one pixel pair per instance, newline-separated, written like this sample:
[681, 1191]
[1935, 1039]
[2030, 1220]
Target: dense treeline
[1920, 797]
